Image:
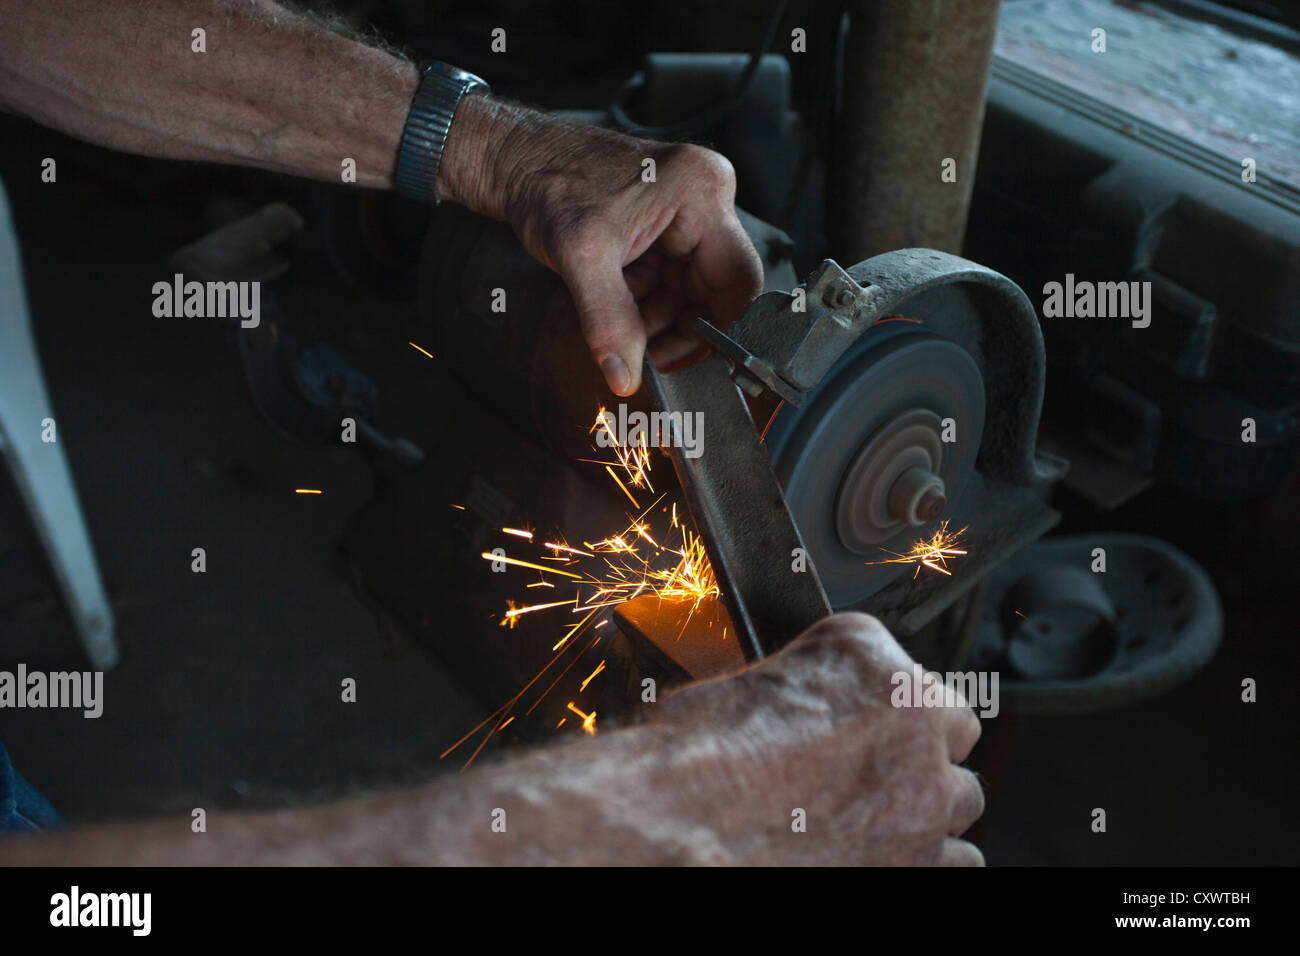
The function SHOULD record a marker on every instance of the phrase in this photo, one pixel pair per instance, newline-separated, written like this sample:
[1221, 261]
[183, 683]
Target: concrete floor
[229, 689]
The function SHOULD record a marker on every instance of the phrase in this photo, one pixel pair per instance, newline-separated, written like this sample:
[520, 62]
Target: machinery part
[1060, 624]
[795, 337]
[891, 483]
[739, 511]
[750, 372]
[719, 111]
[878, 414]
[913, 97]
[972, 343]
[372, 237]
[1115, 193]
[686, 642]
[1166, 614]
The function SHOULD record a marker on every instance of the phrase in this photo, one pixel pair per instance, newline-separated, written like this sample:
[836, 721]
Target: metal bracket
[786, 342]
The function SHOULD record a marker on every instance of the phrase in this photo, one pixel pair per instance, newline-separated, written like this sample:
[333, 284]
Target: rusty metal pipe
[915, 82]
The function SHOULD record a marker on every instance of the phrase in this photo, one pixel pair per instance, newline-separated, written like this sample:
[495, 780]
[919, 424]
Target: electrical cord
[697, 125]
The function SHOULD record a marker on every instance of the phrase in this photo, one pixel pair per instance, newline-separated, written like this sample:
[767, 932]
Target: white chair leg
[40, 468]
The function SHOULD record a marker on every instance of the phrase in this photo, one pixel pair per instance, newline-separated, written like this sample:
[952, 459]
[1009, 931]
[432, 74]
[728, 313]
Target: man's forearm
[273, 89]
[589, 801]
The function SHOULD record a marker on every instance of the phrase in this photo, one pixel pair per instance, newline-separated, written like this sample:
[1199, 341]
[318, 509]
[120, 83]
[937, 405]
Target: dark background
[227, 694]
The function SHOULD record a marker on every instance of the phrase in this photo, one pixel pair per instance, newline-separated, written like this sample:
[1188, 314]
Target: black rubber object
[1167, 620]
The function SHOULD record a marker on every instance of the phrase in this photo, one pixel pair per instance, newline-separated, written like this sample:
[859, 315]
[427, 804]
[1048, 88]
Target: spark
[516, 611]
[418, 349]
[623, 486]
[933, 552]
[642, 559]
[459, 507]
[590, 677]
[527, 564]
[307, 491]
[588, 720]
[573, 630]
[565, 547]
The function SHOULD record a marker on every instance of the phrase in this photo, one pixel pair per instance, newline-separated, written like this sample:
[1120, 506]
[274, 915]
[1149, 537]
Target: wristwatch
[442, 87]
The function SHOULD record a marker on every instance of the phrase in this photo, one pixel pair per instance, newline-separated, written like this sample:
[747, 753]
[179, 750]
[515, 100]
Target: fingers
[968, 799]
[724, 272]
[962, 729]
[728, 268]
[610, 320]
[960, 853]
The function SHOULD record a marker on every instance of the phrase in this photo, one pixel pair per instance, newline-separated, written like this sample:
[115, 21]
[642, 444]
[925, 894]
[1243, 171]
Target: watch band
[442, 86]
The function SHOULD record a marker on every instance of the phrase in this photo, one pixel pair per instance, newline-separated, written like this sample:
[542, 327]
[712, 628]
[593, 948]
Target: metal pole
[915, 81]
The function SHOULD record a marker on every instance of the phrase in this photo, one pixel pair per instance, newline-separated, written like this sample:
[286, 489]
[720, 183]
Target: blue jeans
[22, 808]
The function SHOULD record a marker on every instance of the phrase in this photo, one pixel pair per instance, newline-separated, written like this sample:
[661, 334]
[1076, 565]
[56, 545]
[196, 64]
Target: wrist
[472, 173]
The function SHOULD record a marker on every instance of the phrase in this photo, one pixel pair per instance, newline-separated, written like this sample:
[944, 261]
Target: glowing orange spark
[623, 486]
[516, 611]
[527, 564]
[584, 684]
[588, 720]
[642, 559]
[306, 491]
[933, 552]
[418, 349]
[562, 547]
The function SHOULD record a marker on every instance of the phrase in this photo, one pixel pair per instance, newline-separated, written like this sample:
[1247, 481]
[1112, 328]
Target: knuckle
[713, 169]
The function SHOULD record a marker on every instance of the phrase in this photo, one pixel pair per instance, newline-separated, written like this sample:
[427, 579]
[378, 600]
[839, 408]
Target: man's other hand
[814, 727]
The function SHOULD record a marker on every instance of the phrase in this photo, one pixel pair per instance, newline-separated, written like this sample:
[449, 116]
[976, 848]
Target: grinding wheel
[863, 463]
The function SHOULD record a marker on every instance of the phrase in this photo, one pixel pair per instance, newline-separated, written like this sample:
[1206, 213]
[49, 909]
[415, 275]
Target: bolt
[917, 497]
[841, 294]
[931, 505]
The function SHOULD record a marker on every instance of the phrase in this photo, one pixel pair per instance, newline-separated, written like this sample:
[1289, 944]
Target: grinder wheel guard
[891, 375]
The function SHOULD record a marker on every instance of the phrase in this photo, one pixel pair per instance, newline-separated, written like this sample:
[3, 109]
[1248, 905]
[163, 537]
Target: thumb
[611, 324]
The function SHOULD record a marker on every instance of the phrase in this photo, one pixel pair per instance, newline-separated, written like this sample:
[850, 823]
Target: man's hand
[813, 727]
[641, 258]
